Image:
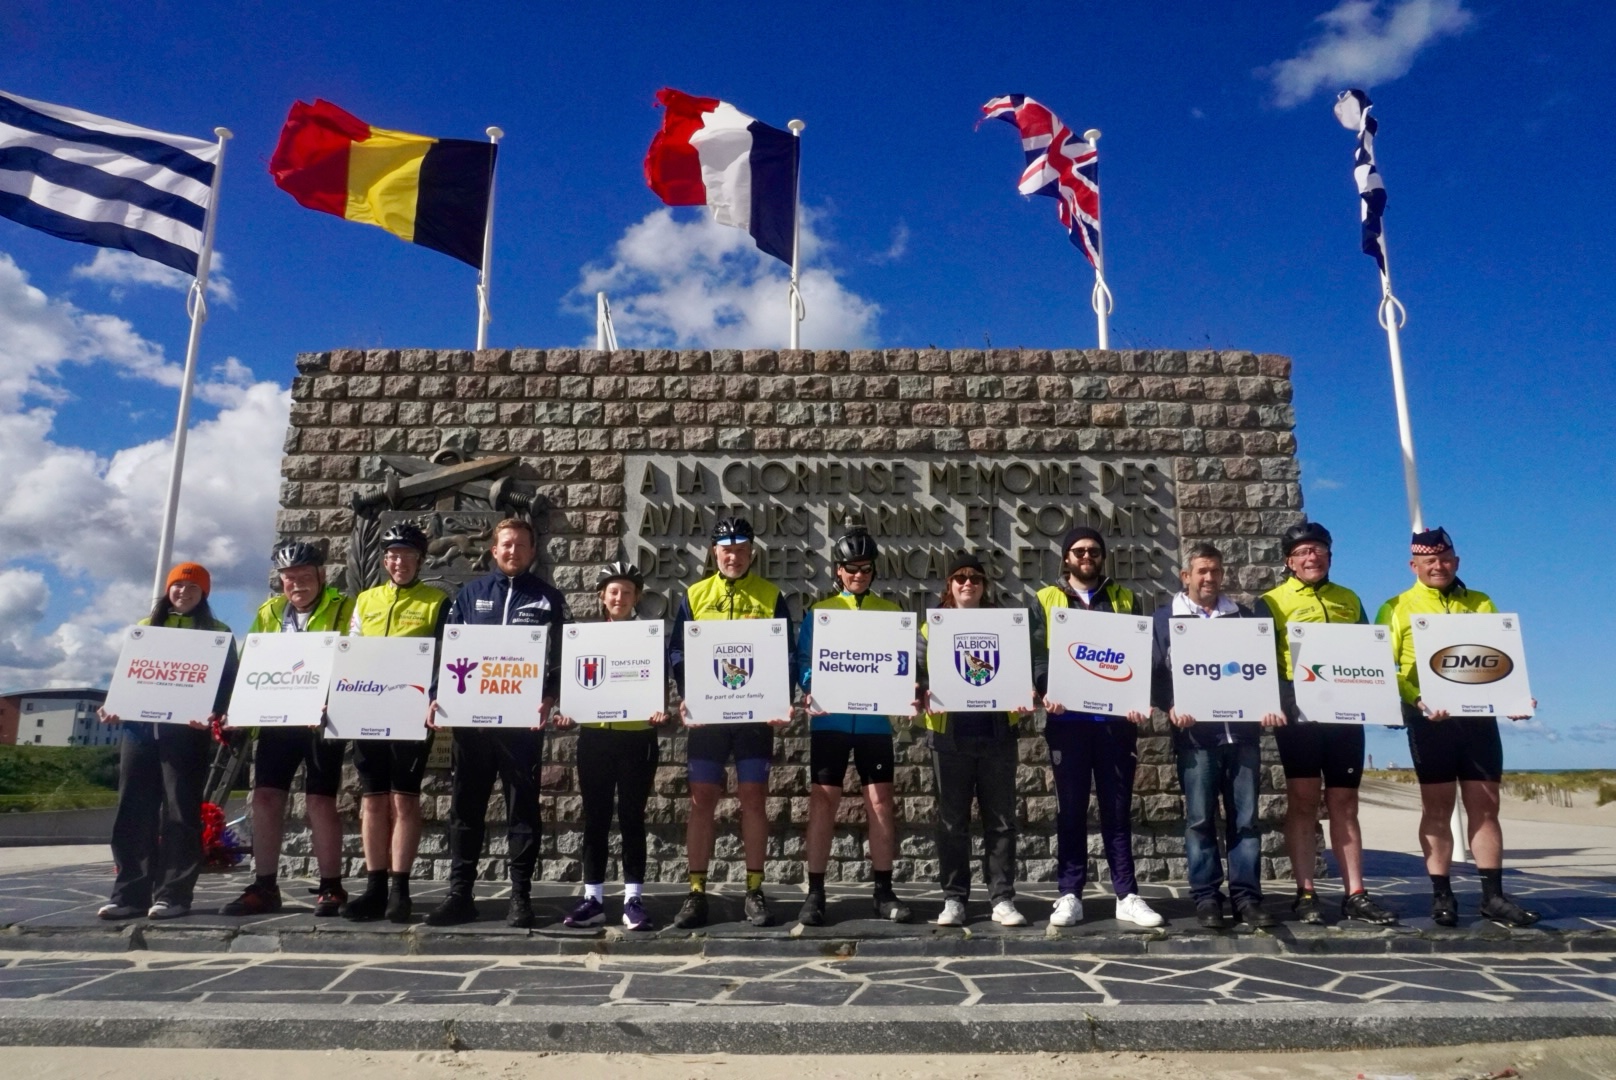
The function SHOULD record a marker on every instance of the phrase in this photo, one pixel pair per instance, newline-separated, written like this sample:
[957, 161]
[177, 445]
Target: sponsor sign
[492, 676]
[379, 687]
[166, 675]
[863, 662]
[1472, 664]
[737, 671]
[978, 659]
[1224, 670]
[1099, 661]
[1344, 674]
[282, 680]
[613, 671]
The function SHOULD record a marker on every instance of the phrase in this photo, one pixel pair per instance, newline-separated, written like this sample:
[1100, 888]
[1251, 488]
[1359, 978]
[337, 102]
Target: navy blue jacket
[497, 600]
[1200, 734]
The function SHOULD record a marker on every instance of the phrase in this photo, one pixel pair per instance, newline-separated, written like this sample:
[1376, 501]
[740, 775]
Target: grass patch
[1555, 788]
[41, 770]
[87, 799]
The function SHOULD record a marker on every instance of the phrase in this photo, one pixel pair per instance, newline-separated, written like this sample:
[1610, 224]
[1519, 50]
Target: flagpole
[605, 335]
[794, 295]
[196, 302]
[1392, 316]
[1100, 297]
[485, 277]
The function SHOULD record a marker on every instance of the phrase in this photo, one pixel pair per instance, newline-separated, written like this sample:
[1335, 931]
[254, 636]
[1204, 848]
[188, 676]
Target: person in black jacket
[1216, 761]
[510, 596]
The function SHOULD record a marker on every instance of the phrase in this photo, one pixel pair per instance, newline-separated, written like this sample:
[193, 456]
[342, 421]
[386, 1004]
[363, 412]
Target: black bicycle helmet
[855, 545]
[297, 553]
[619, 571]
[733, 530]
[1308, 532]
[404, 535]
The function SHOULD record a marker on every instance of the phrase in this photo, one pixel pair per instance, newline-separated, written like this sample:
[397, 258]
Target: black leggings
[615, 766]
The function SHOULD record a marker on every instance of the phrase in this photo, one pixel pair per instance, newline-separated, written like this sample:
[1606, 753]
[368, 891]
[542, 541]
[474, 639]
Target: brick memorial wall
[634, 454]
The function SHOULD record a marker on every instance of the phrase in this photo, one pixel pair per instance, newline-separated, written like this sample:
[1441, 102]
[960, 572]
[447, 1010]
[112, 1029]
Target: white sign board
[1472, 664]
[864, 662]
[379, 687]
[166, 675]
[1099, 661]
[1344, 674]
[737, 671]
[613, 671]
[491, 676]
[283, 680]
[978, 659]
[1224, 670]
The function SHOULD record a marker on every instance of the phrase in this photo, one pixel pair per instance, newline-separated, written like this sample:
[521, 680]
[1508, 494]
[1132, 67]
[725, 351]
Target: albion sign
[1012, 510]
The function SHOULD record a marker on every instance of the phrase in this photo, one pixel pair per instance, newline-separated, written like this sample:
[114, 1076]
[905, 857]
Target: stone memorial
[634, 454]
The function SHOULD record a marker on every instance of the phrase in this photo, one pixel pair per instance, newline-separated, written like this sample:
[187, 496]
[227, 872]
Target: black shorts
[278, 752]
[828, 752]
[1333, 751]
[1458, 748]
[391, 765]
[710, 747]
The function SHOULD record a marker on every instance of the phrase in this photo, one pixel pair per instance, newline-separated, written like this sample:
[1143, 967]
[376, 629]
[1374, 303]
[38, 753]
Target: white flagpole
[794, 295]
[1100, 297]
[605, 334]
[485, 277]
[1393, 315]
[196, 301]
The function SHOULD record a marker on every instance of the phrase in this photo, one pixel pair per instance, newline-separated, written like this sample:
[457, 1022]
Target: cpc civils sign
[1471, 664]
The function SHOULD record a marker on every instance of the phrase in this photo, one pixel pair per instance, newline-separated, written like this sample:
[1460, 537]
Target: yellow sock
[754, 880]
[698, 881]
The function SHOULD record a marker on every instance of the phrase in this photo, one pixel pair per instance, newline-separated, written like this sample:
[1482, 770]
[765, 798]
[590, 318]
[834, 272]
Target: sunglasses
[858, 570]
[1088, 553]
[969, 579]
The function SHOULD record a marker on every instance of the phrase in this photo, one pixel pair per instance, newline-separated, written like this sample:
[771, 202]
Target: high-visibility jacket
[1108, 597]
[718, 597]
[848, 722]
[388, 610]
[332, 612]
[1292, 600]
[1424, 600]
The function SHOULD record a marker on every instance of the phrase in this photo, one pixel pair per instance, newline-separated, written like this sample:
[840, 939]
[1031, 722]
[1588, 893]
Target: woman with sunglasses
[973, 757]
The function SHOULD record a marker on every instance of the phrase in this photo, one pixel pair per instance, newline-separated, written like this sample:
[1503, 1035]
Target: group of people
[974, 755]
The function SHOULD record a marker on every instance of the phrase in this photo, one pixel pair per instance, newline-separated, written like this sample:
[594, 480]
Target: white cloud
[898, 248]
[1364, 43]
[120, 269]
[93, 520]
[699, 284]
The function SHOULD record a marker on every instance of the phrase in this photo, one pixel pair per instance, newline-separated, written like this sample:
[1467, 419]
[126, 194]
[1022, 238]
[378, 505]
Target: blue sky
[1229, 220]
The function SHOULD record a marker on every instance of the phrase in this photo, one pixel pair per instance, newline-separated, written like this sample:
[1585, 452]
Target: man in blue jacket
[1216, 761]
[510, 596]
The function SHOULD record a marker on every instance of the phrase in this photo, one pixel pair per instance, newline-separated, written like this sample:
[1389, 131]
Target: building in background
[55, 717]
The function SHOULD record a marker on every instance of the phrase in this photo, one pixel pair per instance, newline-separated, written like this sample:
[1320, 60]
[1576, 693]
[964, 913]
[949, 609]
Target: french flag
[709, 153]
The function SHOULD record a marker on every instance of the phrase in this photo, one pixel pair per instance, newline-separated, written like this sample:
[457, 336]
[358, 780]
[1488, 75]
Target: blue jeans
[1226, 772]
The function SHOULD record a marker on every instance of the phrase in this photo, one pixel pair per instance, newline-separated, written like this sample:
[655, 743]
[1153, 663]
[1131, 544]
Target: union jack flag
[1352, 109]
[1060, 164]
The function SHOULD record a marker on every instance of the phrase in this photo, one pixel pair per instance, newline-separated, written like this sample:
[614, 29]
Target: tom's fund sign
[1013, 511]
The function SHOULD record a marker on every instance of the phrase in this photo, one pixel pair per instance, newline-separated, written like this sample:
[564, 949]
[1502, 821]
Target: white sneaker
[167, 909]
[953, 913]
[1132, 908]
[1068, 911]
[116, 911]
[1005, 914]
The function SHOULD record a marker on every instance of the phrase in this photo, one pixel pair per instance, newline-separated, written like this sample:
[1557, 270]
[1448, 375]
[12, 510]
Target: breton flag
[431, 192]
[709, 153]
[1352, 109]
[97, 181]
[1060, 164]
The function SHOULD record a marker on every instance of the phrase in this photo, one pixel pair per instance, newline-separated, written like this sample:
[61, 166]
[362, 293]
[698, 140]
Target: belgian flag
[431, 192]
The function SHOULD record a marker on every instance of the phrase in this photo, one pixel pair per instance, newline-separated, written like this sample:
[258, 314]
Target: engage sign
[166, 675]
[1224, 670]
[862, 662]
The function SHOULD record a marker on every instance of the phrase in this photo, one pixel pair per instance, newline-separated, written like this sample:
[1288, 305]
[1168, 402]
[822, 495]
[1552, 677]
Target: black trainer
[1506, 912]
[1306, 906]
[256, 899]
[890, 908]
[520, 912]
[367, 906]
[1445, 910]
[757, 908]
[1253, 915]
[1209, 913]
[813, 910]
[1362, 908]
[692, 913]
[399, 906]
[456, 909]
